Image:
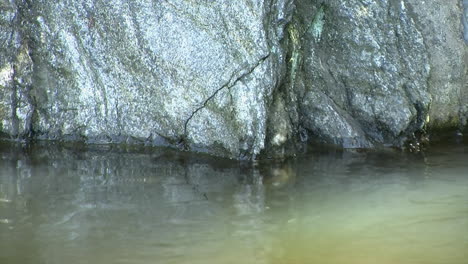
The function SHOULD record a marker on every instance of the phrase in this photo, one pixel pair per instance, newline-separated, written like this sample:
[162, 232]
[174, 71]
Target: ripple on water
[332, 207]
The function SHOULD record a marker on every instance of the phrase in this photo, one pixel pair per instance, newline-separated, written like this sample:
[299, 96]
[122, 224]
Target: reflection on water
[65, 205]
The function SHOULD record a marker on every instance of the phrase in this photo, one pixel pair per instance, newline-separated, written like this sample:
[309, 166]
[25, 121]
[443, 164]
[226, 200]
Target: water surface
[69, 204]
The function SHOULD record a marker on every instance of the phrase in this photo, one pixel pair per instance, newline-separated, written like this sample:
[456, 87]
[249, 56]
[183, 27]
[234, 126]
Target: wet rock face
[198, 74]
[365, 72]
[443, 36]
[232, 78]
[374, 73]
[16, 72]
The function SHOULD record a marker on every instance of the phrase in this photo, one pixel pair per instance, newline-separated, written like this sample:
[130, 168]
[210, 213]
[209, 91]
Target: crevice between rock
[233, 80]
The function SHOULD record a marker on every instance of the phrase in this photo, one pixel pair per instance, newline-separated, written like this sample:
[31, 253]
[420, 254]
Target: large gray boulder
[198, 74]
[376, 73]
[440, 25]
[232, 78]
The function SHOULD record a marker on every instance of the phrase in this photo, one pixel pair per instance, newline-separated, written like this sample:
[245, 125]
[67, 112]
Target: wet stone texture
[232, 78]
[374, 73]
[16, 74]
[195, 74]
[443, 37]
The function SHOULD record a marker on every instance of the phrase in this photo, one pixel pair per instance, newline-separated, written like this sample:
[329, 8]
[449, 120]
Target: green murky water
[63, 205]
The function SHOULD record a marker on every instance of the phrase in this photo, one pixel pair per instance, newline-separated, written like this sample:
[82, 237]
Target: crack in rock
[229, 84]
